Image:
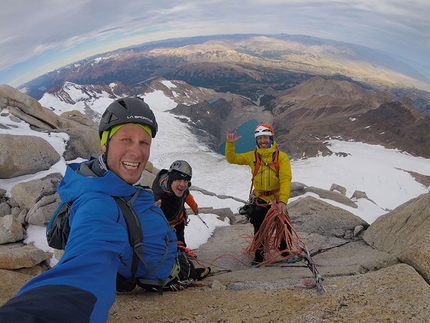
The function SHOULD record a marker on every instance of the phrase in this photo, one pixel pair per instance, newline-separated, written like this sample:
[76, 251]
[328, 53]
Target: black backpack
[58, 229]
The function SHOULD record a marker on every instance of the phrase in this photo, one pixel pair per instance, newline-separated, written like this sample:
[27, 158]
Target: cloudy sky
[38, 36]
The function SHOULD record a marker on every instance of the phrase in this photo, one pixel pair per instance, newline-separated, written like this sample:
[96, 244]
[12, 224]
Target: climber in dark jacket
[171, 192]
[170, 188]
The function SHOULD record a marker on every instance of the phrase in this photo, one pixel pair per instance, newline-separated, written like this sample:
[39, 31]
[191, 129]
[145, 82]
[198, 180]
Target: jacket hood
[88, 177]
[163, 187]
[267, 151]
[166, 185]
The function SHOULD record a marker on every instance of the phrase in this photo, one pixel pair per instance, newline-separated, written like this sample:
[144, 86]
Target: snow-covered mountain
[388, 177]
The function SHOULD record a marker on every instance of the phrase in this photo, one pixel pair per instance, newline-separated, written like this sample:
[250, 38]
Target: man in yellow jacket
[271, 180]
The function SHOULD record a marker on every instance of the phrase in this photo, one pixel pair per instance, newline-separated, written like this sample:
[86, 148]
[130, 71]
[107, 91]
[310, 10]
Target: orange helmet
[264, 129]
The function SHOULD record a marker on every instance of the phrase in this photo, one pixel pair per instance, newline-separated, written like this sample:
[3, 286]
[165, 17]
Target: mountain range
[310, 89]
[304, 116]
[242, 64]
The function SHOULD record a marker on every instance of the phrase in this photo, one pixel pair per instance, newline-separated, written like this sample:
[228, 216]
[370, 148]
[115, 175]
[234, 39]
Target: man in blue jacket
[82, 286]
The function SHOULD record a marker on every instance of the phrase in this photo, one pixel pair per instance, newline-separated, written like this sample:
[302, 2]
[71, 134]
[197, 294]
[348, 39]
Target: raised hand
[232, 136]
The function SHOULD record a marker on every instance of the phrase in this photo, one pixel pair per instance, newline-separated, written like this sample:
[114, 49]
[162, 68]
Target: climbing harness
[273, 165]
[254, 196]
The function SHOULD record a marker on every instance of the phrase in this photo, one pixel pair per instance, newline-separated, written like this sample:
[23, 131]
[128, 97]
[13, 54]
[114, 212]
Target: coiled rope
[277, 227]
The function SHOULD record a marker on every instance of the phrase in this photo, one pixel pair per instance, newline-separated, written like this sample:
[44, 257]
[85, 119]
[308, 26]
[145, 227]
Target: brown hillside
[318, 109]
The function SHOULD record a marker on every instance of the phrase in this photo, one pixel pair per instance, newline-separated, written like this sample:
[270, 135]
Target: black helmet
[128, 110]
[181, 166]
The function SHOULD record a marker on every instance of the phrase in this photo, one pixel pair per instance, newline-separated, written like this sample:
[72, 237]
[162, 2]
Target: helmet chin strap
[107, 149]
[102, 162]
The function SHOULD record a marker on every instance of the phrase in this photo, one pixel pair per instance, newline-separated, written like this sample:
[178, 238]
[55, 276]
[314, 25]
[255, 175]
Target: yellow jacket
[267, 179]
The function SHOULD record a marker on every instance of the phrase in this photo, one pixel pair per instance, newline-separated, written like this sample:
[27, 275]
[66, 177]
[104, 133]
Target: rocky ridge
[319, 109]
[248, 65]
[364, 266]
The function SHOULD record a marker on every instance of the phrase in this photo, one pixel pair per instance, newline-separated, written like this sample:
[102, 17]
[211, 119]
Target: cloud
[34, 33]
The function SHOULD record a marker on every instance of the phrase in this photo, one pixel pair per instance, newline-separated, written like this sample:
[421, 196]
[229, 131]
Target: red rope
[228, 255]
[273, 230]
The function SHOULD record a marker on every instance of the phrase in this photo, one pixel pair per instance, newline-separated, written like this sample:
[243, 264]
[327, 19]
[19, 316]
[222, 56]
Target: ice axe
[203, 221]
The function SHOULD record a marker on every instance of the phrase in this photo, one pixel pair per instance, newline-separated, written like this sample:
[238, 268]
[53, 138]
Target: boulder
[82, 143]
[404, 233]
[361, 195]
[148, 176]
[27, 108]
[5, 209]
[297, 189]
[82, 131]
[309, 214]
[22, 155]
[9, 286]
[41, 212]
[29, 193]
[11, 230]
[75, 119]
[331, 195]
[16, 256]
[83, 134]
[339, 188]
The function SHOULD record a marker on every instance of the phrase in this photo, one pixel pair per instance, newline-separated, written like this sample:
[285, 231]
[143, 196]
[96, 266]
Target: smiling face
[128, 152]
[263, 141]
[179, 186]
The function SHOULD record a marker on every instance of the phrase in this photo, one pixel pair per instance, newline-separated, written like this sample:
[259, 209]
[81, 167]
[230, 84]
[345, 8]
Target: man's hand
[158, 203]
[232, 136]
[196, 211]
[282, 208]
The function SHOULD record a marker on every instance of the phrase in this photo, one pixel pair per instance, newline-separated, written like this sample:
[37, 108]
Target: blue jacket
[98, 245]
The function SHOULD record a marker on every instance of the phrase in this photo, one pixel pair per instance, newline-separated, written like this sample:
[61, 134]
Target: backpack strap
[275, 161]
[257, 163]
[134, 228]
[135, 234]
